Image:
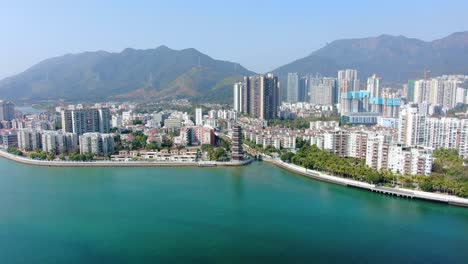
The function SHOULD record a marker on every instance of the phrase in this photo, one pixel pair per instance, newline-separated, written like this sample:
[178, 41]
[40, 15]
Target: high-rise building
[373, 86]
[260, 96]
[410, 91]
[293, 88]
[303, 89]
[57, 142]
[7, 110]
[418, 129]
[322, 90]
[29, 139]
[440, 91]
[9, 139]
[236, 148]
[348, 80]
[237, 96]
[348, 84]
[86, 120]
[198, 117]
[463, 144]
[105, 119]
[398, 158]
[411, 126]
[97, 143]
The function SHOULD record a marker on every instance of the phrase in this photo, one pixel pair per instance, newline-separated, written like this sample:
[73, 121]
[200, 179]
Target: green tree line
[449, 176]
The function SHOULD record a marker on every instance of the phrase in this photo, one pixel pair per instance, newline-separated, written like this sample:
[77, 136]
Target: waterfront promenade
[108, 163]
[400, 192]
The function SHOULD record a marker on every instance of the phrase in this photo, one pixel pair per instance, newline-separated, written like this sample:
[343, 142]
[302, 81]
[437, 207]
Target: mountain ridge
[160, 72]
[396, 58]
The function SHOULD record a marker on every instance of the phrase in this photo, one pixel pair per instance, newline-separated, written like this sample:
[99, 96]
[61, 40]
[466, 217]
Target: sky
[260, 35]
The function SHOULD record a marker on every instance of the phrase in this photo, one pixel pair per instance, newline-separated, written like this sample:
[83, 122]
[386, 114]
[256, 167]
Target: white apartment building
[198, 117]
[443, 91]
[377, 152]
[399, 159]
[416, 129]
[413, 161]
[29, 139]
[97, 143]
[58, 142]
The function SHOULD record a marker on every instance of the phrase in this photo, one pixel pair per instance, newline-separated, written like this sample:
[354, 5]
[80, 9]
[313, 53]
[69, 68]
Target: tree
[219, 154]
[152, 146]
[15, 151]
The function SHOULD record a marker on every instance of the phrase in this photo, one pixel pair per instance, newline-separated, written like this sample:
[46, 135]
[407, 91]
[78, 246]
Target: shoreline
[399, 192]
[59, 163]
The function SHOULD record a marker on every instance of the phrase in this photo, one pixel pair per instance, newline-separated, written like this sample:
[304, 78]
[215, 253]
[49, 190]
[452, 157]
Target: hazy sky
[261, 35]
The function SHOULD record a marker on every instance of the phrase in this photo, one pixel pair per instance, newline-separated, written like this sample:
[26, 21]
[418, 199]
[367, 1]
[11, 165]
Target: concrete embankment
[59, 163]
[399, 192]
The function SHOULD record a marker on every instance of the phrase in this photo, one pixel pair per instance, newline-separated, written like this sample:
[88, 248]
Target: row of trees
[446, 177]
[14, 151]
[81, 157]
[448, 174]
[42, 155]
[311, 157]
[301, 122]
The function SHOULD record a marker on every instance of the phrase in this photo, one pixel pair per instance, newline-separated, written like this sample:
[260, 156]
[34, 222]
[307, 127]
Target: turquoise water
[253, 214]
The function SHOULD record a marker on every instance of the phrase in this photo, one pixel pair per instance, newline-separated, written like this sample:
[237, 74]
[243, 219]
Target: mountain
[163, 73]
[131, 74]
[395, 58]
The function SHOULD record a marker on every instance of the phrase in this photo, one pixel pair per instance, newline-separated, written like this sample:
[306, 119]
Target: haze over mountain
[134, 74]
[395, 58]
[165, 73]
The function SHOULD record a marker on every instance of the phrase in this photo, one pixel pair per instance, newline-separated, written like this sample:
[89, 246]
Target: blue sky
[261, 35]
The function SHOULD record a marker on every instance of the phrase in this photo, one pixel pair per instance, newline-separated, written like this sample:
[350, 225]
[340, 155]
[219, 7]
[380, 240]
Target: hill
[395, 58]
[131, 74]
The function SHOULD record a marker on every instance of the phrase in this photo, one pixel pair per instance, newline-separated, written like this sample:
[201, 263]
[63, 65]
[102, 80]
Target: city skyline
[112, 29]
[234, 131]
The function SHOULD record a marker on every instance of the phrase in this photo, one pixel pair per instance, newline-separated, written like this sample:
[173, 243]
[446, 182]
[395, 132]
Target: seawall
[399, 192]
[59, 163]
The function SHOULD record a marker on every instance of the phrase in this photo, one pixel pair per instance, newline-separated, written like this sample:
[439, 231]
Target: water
[29, 110]
[255, 214]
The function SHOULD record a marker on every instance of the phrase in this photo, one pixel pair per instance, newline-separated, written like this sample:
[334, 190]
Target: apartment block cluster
[417, 128]
[345, 91]
[84, 130]
[358, 103]
[290, 111]
[313, 89]
[182, 128]
[440, 94]
[366, 106]
[377, 145]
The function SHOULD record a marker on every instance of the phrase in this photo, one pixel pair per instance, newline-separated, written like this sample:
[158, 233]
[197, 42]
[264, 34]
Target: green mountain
[131, 74]
[395, 58]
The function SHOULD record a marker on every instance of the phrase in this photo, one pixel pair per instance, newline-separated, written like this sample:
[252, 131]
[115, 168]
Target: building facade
[292, 93]
[7, 110]
[86, 120]
[97, 143]
[261, 96]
